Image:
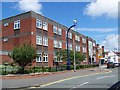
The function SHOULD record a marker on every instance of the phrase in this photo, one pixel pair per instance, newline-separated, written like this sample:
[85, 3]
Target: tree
[23, 55]
[78, 56]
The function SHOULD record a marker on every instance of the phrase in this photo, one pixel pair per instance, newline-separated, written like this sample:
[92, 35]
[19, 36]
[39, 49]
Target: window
[57, 59]
[59, 31]
[5, 39]
[55, 43]
[93, 44]
[45, 41]
[84, 49]
[17, 24]
[38, 23]
[59, 44]
[66, 33]
[77, 38]
[45, 26]
[45, 57]
[55, 29]
[39, 40]
[70, 46]
[83, 40]
[94, 51]
[77, 48]
[70, 35]
[39, 58]
[5, 24]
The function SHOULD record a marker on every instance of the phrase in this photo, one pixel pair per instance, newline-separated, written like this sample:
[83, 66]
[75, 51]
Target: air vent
[5, 39]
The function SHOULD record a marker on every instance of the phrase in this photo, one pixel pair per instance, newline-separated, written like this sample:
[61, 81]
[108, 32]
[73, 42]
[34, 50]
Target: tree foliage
[79, 57]
[23, 55]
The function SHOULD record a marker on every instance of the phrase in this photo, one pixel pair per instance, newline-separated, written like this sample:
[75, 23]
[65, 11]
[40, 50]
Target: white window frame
[77, 38]
[46, 57]
[84, 49]
[38, 23]
[59, 31]
[70, 46]
[39, 40]
[59, 44]
[55, 29]
[45, 25]
[39, 58]
[84, 40]
[5, 24]
[70, 35]
[45, 41]
[56, 59]
[77, 48]
[17, 24]
[55, 43]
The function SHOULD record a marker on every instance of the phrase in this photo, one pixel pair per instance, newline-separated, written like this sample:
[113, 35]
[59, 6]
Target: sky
[97, 19]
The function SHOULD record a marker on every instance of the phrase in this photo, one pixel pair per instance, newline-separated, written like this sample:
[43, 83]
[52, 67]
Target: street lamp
[68, 58]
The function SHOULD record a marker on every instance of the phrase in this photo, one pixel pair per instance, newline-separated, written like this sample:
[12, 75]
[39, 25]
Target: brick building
[45, 35]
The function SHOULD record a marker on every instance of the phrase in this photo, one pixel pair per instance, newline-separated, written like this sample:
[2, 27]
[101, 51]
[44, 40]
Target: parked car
[110, 64]
[117, 64]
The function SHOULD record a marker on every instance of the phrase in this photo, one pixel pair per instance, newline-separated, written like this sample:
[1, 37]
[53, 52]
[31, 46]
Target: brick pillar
[87, 53]
[50, 45]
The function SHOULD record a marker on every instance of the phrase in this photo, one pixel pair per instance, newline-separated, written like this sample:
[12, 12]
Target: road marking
[105, 77]
[44, 85]
[79, 85]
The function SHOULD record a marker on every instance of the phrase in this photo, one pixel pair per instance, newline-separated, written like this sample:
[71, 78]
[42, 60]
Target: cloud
[103, 30]
[108, 8]
[27, 5]
[110, 42]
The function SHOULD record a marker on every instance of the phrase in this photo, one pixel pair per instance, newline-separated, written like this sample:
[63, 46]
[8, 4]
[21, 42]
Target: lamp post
[68, 58]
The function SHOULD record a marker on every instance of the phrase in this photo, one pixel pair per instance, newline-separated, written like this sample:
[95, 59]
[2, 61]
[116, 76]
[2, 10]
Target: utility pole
[74, 56]
[68, 58]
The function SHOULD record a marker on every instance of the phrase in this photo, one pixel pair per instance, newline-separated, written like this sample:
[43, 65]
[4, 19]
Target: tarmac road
[84, 79]
[104, 81]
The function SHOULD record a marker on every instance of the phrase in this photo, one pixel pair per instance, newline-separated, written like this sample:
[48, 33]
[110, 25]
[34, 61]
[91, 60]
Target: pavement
[38, 80]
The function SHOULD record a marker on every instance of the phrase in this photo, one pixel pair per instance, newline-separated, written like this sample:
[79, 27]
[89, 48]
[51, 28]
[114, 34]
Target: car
[110, 64]
[116, 64]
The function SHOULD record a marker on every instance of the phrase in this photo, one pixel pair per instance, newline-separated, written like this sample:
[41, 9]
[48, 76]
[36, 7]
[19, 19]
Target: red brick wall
[50, 45]
[33, 29]
[81, 50]
[64, 39]
[25, 27]
[6, 58]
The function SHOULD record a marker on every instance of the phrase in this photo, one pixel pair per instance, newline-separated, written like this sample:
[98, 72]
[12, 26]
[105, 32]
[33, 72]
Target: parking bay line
[79, 85]
[105, 77]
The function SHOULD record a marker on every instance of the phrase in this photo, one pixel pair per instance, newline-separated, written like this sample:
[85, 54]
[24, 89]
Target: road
[105, 81]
